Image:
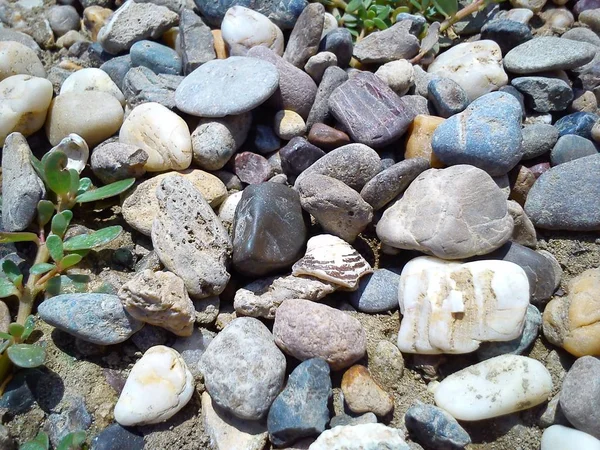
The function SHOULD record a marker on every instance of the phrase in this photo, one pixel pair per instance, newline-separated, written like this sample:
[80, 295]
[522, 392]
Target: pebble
[5, 319]
[392, 44]
[96, 318]
[558, 437]
[117, 69]
[252, 168]
[158, 386]
[521, 180]
[288, 125]
[538, 139]
[215, 141]
[242, 28]
[338, 42]
[370, 436]
[195, 40]
[362, 394]
[223, 87]
[591, 18]
[327, 137]
[141, 85]
[116, 436]
[544, 94]
[113, 161]
[486, 135]
[317, 64]
[566, 196]
[584, 101]
[352, 102]
[391, 182]
[73, 417]
[570, 322]
[9, 34]
[304, 40]
[63, 18]
[435, 428]
[579, 123]
[269, 231]
[492, 388]
[553, 414]
[133, 22]
[18, 59]
[243, 369]
[191, 348]
[377, 292]
[300, 410]
[94, 18]
[162, 134]
[264, 139]
[304, 329]
[333, 77]
[156, 57]
[458, 224]
[447, 97]
[228, 432]
[344, 419]
[535, 6]
[338, 208]
[571, 147]
[475, 66]
[298, 155]
[507, 33]
[190, 239]
[523, 232]
[419, 137]
[398, 75]
[92, 79]
[433, 292]
[547, 53]
[297, 90]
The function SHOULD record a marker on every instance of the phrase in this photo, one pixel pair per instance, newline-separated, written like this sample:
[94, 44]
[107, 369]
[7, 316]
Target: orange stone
[420, 134]
[362, 394]
[220, 47]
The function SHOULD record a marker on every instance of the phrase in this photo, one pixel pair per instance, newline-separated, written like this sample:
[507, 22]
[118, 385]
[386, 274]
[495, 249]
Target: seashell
[332, 259]
[77, 151]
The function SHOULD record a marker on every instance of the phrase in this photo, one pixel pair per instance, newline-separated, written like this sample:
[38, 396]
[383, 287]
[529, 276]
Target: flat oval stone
[492, 388]
[559, 437]
[570, 147]
[156, 57]
[96, 318]
[377, 292]
[223, 87]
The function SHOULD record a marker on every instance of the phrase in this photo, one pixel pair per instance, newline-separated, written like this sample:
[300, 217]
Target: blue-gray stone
[434, 428]
[531, 329]
[298, 155]
[567, 197]
[117, 68]
[447, 96]
[516, 94]
[300, 410]
[506, 33]
[265, 140]
[538, 139]
[544, 94]
[338, 42]
[116, 437]
[156, 57]
[343, 420]
[73, 417]
[283, 13]
[149, 336]
[18, 396]
[579, 123]
[96, 318]
[486, 135]
[417, 22]
[377, 292]
[570, 147]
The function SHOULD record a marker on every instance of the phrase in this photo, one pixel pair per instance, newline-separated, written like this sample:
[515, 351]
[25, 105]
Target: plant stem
[467, 10]
[31, 290]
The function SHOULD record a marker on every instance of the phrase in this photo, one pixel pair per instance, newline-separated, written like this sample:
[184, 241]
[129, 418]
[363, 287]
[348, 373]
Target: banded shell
[332, 259]
[77, 151]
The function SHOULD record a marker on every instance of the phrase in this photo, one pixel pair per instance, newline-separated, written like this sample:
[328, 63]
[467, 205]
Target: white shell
[77, 151]
[332, 259]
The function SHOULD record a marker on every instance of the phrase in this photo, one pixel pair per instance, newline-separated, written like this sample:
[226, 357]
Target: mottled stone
[115, 436]
[571, 147]
[113, 161]
[156, 57]
[544, 94]
[538, 139]
[434, 427]
[19, 59]
[252, 168]
[580, 123]
[447, 96]
[507, 33]
[195, 40]
[141, 85]
[362, 394]
[333, 77]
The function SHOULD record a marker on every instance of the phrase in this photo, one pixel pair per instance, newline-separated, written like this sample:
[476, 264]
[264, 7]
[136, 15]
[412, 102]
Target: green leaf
[7, 289]
[354, 33]
[68, 284]
[26, 355]
[29, 326]
[84, 185]
[5, 336]
[11, 270]
[110, 190]
[369, 23]
[23, 236]
[379, 23]
[92, 240]
[448, 8]
[72, 441]
[349, 18]
[367, 3]
[74, 177]
[353, 6]
[60, 222]
[45, 210]
[41, 442]
[41, 268]
[70, 260]
[38, 166]
[55, 246]
[57, 177]
[371, 14]
[16, 329]
[5, 344]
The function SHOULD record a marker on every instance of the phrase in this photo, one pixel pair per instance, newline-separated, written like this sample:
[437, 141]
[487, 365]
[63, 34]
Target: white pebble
[92, 79]
[17, 59]
[243, 28]
[367, 436]
[227, 208]
[558, 437]
[398, 75]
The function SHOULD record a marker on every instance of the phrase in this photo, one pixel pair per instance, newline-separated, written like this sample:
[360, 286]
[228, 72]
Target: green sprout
[72, 441]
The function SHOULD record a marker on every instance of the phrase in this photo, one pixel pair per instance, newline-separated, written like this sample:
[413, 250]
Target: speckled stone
[548, 53]
[579, 123]
[377, 292]
[571, 147]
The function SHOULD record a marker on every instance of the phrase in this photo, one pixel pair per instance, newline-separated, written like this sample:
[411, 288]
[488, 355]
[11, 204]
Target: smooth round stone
[243, 28]
[94, 18]
[338, 42]
[158, 386]
[398, 75]
[579, 123]
[492, 388]
[243, 369]
[326, 137]
[227, 87]
[369, 436]
[377, 292]
[18, 59]
[24, 102]
[447, 96]
[99, 116]
[559, 437]
[545, 94]
[92, 79]
[162, 134]
[63, 19]
[538, 139]
[115, 436]
[156, 57]
[288, 125]
[304, 330]
[475, 66]
[435, 428]
[96, 318]
[362, 394]
[571, 147]
[298, 155]
[548, 53]
[591, 18]
[317, 64]
[507, 33]
[117, 69]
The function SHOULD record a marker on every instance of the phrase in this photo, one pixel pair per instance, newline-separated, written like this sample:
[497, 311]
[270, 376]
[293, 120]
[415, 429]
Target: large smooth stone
[269, 231]
[162, 134]
[92, 79]
[18, 59]
[451, 213]
[559, 437]
[486, 135]
[492, 388]
[189, 238]
[449, 307]
[96, 318]
[223, 87]
[243, 28]
[353, 103]
[158, 386]
[304, 330]
[24, 102]
[475, 66]
[243, 369]
[368, 436]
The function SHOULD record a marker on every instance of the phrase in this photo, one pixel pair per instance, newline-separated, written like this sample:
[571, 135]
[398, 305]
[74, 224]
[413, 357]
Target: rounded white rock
[367, 436]
[158, 386]
[227, 208]
[162, 134]
[242, 28]
[330, 23]
[17, 59]
[558, 437]
[492, 388]
[398, 75]
[92, 79]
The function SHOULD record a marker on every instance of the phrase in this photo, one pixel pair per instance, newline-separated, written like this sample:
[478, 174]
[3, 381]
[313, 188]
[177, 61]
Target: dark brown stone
[521, 180]
[327, 137]
[252, 168]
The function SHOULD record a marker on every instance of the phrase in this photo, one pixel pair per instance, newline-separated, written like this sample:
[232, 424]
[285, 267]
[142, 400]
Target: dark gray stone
[300, 410]
[338, 42]
[149, 336]
[388, 45]
[417, 22]
[18, 396]
[343, 420]
[114, 161]
[117, 68]
[306, 35]
[506, 33]
[377, 292]
[333, 77]
[538, 139]
[353, 105]
[434, 428]
[298, 155]
[73, 417]
[116, 437]
[141, 85]
[265, 140]
[156, 57]
[196, 41]
[544, 94]
[570, 147]
[447, 97]
[269, 231]
[579, 123]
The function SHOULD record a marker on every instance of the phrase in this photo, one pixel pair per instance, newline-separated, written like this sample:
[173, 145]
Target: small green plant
[54, 255]
[72, 441]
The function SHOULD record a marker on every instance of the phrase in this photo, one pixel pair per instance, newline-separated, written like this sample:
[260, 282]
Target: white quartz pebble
[492, 388]
[162, 134]
[158, 386]
[16, 58]
[92, 79]
[558, 437]
[367, 436]
[242, 28]
[227, 208]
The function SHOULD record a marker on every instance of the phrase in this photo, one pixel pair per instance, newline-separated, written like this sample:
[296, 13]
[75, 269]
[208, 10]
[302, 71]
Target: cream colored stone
[227, 209]
[94, 18]
[219, 43]
[418, 142]
[24, 102]
[534, 6]
[398, 75]
[242, 28]
[162, 134]
[368, 436]
[92, 79]
[17, 59]
[70, 38]
[362, 394]
[288, 125]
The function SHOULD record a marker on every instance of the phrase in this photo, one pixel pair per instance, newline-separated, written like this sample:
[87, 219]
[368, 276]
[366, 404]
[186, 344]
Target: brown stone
[539, 169]
[220, 47]
[326, 137]
[420, 134]
[521, 181]
[94, 18]
[362, 394]
[252, 168]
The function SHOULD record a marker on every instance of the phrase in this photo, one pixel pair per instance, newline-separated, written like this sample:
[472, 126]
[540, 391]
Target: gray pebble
[114, 161]
[141, 85]
[538, 139]
[392, 44]
[63, 19]
[377, 292]
[117, 68]
[447, 97]
[544, 94]
[319, 112]
[195, 40]
[571, 147]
